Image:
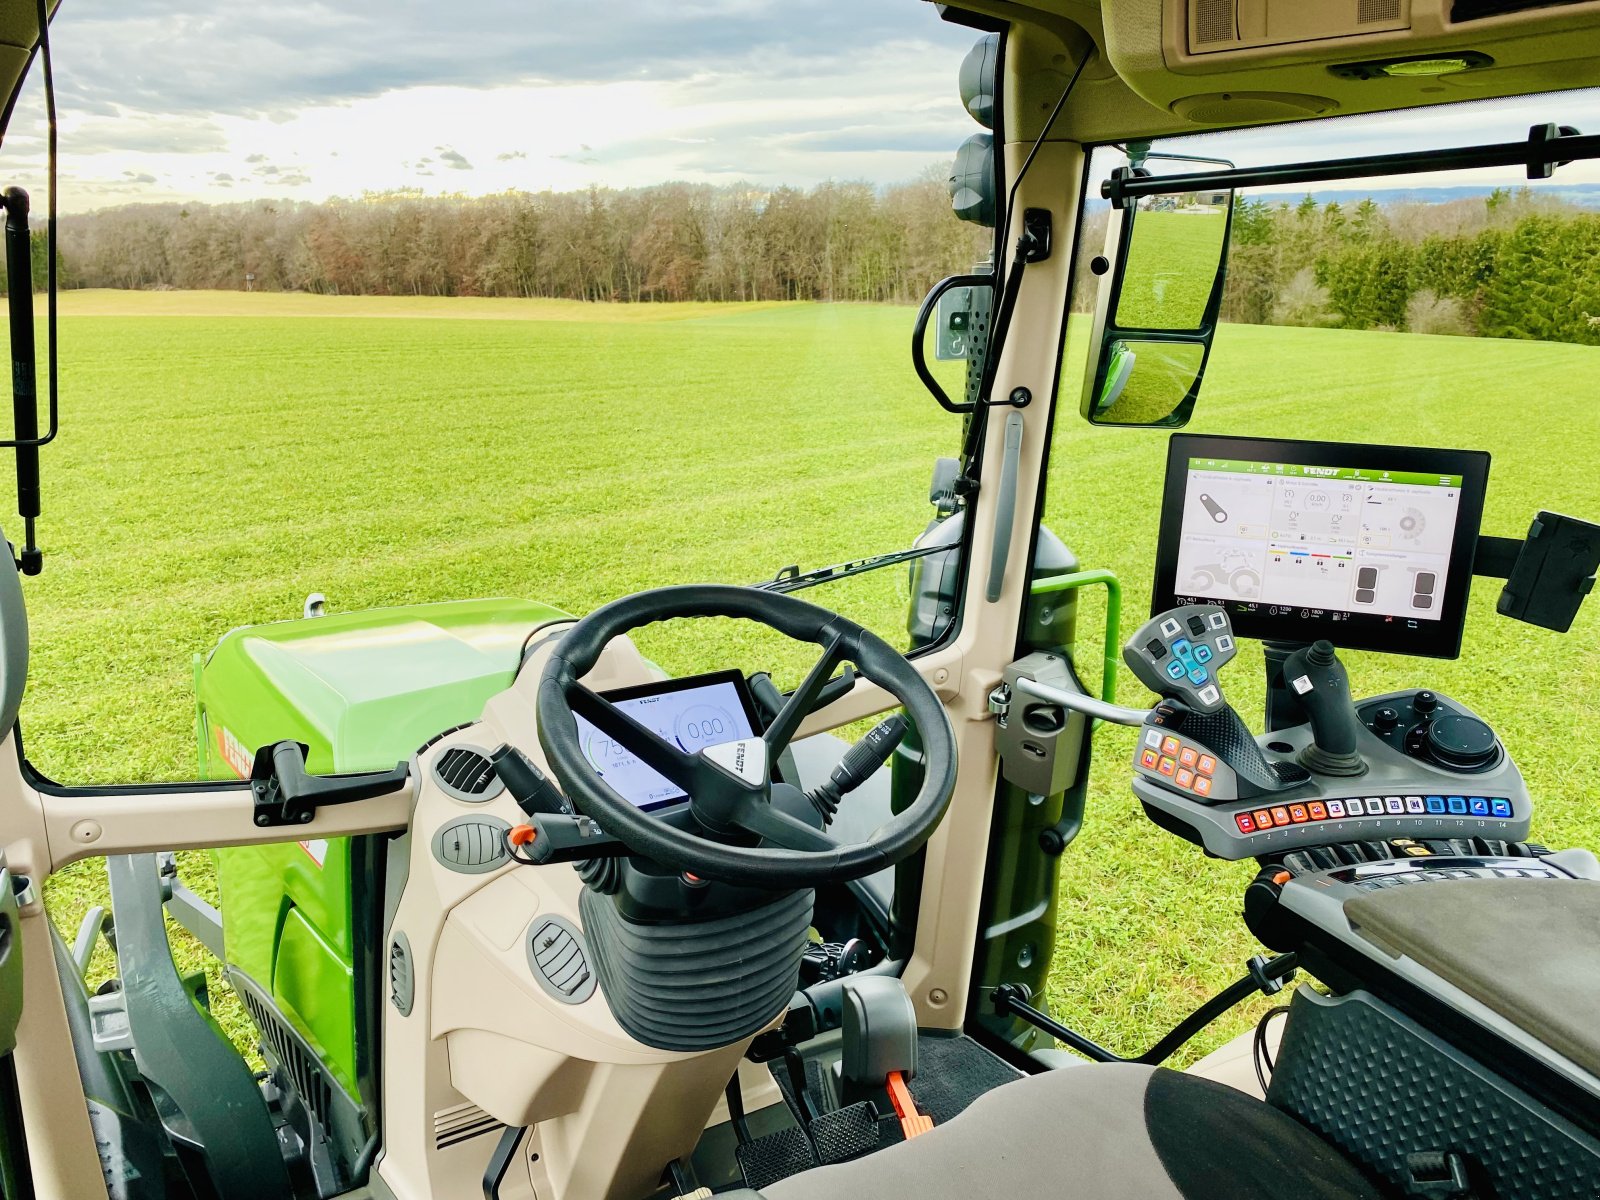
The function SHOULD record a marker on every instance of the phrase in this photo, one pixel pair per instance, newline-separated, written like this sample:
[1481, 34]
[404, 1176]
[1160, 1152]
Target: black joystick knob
[1463, 743]
[1318, 680]
[1386, 720]
[1425, 704]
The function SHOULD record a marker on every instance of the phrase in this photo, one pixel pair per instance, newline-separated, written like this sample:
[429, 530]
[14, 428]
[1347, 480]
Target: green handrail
[1077, 579]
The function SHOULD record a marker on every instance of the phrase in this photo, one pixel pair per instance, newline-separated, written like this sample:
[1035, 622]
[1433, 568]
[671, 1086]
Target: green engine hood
[362, 689]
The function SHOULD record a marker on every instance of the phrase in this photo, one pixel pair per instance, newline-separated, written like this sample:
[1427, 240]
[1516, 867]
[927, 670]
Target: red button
[1207, 764]
[1318, 810]
[1280, 815]
[1246, 822]
[1185, 777]
[1170, 745]
[1263, 818]
[1298, 814]
[1167, 766]
[1149, 759]
[1202, 786]
[1189, 756]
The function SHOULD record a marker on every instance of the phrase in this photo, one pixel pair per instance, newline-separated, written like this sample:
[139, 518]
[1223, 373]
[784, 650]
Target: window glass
[500, 308]
[1454, 310]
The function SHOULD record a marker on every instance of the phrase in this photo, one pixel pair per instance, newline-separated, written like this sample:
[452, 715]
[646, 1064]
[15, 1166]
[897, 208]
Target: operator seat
[1100, 1132]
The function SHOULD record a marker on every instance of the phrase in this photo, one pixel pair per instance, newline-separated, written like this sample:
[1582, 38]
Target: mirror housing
[956, 317]
[1157, 309]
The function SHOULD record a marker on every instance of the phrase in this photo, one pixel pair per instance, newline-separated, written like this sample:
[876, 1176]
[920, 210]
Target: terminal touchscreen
[692, 713]
[1370, 547]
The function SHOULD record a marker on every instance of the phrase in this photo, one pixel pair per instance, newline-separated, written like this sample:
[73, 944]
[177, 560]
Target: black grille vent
[402, 980]
[466, 773]
[310, 1082]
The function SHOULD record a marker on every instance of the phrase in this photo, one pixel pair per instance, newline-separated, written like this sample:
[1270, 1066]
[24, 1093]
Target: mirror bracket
[1035, 243]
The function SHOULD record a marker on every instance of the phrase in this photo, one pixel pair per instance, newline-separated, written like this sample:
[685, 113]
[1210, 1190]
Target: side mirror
[1156, 313]
[952, 329]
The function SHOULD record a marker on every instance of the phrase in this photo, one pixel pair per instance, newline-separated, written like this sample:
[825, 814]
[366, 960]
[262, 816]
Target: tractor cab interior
[516, 913]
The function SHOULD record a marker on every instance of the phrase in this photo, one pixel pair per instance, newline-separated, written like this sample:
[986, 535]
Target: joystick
[1194, 741]
[1320, 684]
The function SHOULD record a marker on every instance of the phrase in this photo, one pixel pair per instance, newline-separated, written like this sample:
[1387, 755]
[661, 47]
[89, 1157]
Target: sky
[228, 100]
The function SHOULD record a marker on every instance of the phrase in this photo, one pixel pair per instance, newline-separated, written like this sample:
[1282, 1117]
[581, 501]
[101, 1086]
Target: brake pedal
[763, 1161]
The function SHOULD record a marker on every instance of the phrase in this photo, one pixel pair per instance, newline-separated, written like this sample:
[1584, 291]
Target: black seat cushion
[1101, 1133]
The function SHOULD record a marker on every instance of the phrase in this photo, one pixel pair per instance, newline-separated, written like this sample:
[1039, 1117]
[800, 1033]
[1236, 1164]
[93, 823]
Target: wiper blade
[790, 579]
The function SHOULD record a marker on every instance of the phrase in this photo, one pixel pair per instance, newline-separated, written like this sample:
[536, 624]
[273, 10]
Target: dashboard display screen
[1370, 547]
[692, 713]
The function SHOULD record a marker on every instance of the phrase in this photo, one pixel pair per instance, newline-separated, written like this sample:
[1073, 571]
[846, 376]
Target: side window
[1451, 310]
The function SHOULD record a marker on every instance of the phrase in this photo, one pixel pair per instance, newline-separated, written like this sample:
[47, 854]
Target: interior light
[1416, 66]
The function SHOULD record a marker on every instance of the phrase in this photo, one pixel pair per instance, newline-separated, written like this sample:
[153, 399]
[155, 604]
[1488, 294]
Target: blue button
[1500, 808]
[1181, 646]
[1175, 669]
[1458, 805]
[1479, 806]
[1202, 654]
[1199, 675]
[1435, 804]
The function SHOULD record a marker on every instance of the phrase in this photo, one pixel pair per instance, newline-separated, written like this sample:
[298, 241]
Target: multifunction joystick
[1178, 653]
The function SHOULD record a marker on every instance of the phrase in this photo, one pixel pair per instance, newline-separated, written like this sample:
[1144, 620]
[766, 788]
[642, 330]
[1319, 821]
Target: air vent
[466, 773]
[1370, 11]
[472, 845]
[559, 960]
[402, 980]
[460, 1123]
[1215, 21]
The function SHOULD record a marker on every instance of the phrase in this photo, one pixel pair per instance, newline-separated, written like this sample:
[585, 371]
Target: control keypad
[1179, 652]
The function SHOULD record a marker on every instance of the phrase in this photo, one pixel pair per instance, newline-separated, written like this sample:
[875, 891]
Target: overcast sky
[225, 100]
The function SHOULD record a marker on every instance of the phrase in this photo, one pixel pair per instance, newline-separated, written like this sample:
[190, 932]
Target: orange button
[1189, 756]
[1167, 766]
[1185, 777]
[1297, 813]
[1318, 810]
[1263, 816]
[1170, 745]
[1280, 815]
[1202, 786]
[1207, 764]
[1149, 759]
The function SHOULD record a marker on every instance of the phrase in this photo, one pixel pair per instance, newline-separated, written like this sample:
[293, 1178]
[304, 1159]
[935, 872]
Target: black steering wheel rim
[765, 866]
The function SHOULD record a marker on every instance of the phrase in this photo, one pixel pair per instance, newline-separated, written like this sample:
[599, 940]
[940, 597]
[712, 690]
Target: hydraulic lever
[1319, 682]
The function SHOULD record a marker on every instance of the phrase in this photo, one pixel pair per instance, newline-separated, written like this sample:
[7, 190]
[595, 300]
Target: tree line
[671, 241]
[1513, 264]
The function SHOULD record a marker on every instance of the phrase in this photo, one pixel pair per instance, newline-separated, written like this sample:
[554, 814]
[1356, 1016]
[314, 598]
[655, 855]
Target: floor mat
[952, 1072]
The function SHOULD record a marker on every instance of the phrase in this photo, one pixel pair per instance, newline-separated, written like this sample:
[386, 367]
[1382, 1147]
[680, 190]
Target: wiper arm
[790, 579]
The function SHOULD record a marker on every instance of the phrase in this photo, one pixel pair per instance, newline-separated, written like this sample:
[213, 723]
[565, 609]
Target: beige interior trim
[947, 929]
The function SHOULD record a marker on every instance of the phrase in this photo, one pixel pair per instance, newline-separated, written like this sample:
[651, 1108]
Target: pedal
[766, 1160]
[845, 1133]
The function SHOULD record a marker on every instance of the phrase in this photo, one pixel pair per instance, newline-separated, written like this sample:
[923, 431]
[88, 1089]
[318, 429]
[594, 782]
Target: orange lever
[521, 835]
[912, 1123]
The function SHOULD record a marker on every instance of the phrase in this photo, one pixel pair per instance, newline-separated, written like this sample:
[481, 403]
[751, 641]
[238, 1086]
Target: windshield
[584, 319]
[1458, 310]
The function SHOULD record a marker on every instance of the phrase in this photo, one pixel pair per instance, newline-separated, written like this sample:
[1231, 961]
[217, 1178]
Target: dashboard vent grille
[460, 1123]
[1371, 11]
[1214, 21]
[402, 979]
[466, 773]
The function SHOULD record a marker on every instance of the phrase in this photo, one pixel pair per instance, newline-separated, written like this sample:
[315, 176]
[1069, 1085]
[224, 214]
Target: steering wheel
[732, 831]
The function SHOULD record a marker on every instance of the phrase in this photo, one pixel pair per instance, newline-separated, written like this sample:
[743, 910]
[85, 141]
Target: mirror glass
[1147, 382]
[955, 341]
[1174, 251]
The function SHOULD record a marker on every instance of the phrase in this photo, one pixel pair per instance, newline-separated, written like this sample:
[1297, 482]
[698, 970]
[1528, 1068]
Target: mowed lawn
[223, 455]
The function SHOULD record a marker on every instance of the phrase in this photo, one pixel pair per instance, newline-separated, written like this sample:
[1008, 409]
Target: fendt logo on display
[1320, 470]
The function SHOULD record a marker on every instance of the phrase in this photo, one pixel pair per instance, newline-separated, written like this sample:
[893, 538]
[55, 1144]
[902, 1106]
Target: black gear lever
[1318, 680]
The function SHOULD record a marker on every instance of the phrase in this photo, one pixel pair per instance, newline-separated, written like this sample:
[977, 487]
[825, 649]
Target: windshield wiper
[790, 579]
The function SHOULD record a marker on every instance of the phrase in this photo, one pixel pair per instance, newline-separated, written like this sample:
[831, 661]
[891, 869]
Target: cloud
[256, 158]
[455, 160]
[509, 155]
[138, 177]
[222, 177]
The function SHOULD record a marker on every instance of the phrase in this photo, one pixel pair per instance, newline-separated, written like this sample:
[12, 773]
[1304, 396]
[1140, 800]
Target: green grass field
[223, 455]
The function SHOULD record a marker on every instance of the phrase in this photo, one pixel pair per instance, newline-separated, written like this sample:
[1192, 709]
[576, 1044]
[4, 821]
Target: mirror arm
[919, 359]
